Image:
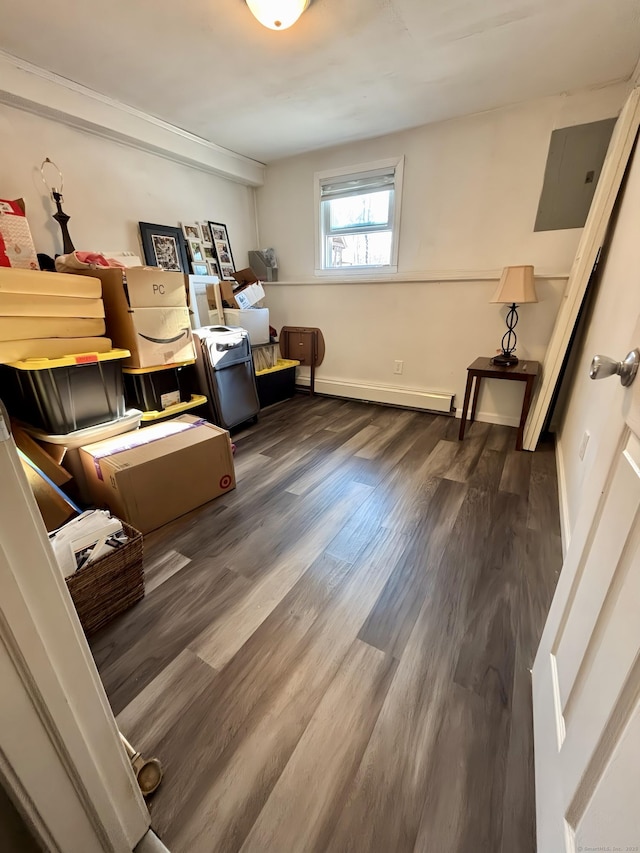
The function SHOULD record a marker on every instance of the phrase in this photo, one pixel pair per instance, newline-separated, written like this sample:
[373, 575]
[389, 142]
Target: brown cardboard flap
[227, 291]
[55, 510]
[245, 276]
[39, 456]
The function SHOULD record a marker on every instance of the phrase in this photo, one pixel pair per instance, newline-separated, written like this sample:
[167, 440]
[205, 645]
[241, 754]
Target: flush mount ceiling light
[277, 14]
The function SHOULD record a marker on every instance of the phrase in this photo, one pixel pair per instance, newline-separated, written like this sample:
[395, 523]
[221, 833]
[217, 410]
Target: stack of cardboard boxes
[241, 303]
[154, 475]
[67, 389]
[147, 313]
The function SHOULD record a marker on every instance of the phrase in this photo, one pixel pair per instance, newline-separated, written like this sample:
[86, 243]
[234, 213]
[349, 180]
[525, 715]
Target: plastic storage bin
[277, 383]
[194, 402]
[62, 395]
[154, 389]
[265, 356]
[72, 441]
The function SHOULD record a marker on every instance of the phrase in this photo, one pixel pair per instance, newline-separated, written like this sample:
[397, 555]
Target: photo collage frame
[202, 248]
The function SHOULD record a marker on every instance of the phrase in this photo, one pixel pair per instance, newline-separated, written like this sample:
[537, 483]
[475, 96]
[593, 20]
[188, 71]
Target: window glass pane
[365, 209]
[353, 250]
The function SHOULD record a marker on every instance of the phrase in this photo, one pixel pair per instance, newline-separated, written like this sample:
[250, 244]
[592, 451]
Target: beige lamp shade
[517, 285]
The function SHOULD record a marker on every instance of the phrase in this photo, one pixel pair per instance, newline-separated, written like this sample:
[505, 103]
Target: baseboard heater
[430, 401]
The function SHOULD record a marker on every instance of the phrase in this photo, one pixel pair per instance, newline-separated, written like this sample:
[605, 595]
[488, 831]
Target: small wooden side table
[524, 371]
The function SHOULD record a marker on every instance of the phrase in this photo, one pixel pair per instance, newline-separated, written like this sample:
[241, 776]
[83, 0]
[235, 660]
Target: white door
[61, 757]
[586, 676]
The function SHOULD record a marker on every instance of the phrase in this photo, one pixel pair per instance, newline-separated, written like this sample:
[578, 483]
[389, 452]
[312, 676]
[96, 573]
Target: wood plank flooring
[336, 655]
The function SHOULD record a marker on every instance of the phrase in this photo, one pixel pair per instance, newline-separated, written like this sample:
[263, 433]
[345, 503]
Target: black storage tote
[61, 395]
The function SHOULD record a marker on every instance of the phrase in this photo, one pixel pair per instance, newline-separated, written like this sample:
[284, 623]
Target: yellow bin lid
[69, 360]
[177, 408]
[281, 364]
[138, 371]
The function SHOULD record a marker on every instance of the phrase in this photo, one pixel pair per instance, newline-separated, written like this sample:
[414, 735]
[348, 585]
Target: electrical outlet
[583, 445]
[398, 366]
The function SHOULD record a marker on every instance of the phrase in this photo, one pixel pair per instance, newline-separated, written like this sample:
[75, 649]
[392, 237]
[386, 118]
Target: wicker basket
[110, 585]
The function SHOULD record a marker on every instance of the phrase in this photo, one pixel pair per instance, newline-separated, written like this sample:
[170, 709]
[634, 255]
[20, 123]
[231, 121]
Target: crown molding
[27, 87]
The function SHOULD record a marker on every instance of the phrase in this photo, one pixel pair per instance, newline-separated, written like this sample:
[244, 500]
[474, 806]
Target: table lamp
[516, 287]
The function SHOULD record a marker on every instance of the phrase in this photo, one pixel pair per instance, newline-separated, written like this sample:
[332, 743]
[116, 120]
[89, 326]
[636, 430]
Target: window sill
[347, 273]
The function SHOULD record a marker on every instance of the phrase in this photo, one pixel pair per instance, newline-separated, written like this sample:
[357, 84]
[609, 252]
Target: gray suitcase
[225, 374]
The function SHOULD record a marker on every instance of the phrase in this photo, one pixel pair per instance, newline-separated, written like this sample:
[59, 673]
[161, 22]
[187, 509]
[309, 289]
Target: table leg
[526, 403]
[465, 406]
[476, 394]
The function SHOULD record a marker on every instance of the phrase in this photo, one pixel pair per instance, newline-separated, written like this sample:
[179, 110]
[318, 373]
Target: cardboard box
[250, 295]
[150, 477]
[154, 336]
[244, 296]
[146, 313]
[141, 287]
[250, 291]
[227, 293]
[16, 242]
[245, 276]
[254, 320]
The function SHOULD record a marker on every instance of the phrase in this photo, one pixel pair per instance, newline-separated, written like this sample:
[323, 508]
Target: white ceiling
[349, 69]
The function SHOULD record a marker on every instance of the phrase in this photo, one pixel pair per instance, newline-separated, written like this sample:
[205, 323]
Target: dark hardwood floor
[336, 656]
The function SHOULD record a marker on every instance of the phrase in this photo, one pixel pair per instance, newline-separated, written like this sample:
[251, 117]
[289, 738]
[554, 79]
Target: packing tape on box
[126, 443]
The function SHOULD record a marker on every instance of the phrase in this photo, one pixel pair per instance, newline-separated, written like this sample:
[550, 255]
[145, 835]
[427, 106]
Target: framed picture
[190, 230]
[209, 253]
[200, 268]
[195, 249]
[222, 249]
[218, 232]
[213, 269]
[164, 246]
[205, 233]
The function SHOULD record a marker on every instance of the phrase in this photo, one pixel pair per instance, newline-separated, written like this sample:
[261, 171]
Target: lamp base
[505, 359]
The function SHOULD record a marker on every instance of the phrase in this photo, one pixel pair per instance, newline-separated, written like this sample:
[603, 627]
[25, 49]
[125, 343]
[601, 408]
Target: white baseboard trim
[411, 398]
[432, 401]
[565, 526]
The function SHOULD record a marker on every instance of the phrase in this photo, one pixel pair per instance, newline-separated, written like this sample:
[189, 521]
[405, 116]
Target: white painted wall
[471, 191]
[611, 330]
[110, 187]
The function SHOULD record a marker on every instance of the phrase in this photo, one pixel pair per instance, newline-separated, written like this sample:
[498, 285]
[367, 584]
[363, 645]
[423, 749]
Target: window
[359, 218]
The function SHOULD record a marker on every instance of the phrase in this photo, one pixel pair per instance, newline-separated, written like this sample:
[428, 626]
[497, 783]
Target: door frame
[61, 758]
[591, 241]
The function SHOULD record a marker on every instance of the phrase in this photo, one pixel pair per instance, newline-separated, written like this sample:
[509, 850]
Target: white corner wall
[109, 187]
[471, 191]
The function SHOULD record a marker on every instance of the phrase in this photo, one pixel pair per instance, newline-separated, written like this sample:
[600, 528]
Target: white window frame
[396, 163]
